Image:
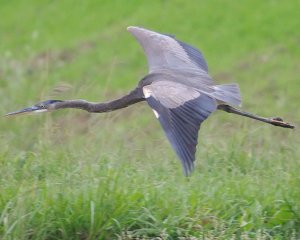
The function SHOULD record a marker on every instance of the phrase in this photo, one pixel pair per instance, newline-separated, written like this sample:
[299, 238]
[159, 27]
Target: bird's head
[44, 106]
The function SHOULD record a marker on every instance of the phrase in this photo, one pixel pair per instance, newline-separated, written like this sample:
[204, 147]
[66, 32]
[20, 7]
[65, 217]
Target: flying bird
[179, 90]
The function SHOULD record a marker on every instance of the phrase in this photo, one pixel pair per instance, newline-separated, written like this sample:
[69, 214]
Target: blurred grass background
[74, 175]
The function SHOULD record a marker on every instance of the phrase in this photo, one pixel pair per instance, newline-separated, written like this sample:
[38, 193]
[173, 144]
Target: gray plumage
[179, 90]
[180, 114]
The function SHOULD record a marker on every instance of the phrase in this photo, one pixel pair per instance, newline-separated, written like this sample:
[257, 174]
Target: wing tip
[133, 29]
[130, 28]
[188, 169]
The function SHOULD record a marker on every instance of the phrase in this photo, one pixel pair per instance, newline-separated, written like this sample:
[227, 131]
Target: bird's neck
[129, 99]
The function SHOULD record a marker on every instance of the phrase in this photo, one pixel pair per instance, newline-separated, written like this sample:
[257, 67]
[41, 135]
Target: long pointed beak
[27, 110]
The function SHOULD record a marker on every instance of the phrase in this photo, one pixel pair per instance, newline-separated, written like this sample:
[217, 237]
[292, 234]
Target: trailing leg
[276, 121]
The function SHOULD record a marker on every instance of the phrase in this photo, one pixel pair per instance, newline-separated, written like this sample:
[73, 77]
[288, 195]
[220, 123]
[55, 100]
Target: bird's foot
[277, 121]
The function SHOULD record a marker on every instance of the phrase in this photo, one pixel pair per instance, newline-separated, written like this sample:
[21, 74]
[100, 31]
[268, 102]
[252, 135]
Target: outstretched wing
[166, 52]
[180, 111]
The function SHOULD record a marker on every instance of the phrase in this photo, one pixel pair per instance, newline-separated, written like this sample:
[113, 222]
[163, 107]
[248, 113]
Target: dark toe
[277, 119]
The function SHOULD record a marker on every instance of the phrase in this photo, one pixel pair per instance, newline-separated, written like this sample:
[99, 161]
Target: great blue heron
[179, 90]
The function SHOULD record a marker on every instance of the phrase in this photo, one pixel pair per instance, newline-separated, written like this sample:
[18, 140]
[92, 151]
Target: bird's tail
[228, 93]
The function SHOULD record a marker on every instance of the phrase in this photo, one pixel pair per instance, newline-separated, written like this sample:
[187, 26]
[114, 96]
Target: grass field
[74, 175]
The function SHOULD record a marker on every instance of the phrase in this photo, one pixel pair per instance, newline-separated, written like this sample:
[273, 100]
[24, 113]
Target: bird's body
[179, 90]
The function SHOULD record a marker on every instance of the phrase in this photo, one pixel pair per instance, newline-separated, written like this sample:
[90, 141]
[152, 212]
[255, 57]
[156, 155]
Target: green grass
[74, 175]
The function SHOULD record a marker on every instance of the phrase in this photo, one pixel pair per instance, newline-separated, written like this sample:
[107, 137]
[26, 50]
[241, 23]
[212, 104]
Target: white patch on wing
[147, 92]
[40, 111]
[155, 113]
[215, 88]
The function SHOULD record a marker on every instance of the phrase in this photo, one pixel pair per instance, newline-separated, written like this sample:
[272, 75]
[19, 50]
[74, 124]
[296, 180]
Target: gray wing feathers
[228, 93]
[180, 113]
[171, 94]
[195, 55]
[165, 52]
